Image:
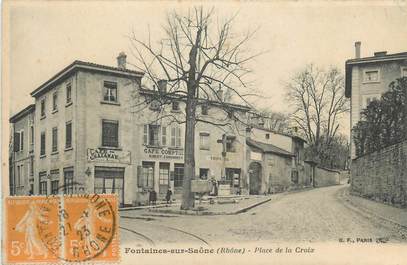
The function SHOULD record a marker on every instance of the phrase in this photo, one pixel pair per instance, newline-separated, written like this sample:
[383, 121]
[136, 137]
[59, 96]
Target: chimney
[379, 54]
[121, 60]
[357, 49]
[162, 86]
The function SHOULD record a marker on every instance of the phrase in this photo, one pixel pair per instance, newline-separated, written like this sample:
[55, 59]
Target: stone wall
[382, 175]
[326, 177]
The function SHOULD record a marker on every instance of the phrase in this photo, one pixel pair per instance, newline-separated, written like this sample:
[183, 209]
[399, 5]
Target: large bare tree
[318, 98]
[198, 54]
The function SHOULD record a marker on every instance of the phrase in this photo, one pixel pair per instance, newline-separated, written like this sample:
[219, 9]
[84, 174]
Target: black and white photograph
[241, 132]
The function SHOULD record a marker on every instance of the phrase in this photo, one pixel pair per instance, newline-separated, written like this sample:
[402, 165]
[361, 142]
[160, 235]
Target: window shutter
[139, 176]
[178, 137]
[173, 136]
[16, 142]
[145, 135]
[22, 140]
[164, 135]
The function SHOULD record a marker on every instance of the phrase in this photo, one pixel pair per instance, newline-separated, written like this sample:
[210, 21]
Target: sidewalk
[394, 215]
[221, 206]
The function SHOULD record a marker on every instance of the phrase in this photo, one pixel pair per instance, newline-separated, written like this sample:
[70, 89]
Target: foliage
[383, 122]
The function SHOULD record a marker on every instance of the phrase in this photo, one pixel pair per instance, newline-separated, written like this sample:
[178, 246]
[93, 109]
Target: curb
[369, 214]
[191, 212]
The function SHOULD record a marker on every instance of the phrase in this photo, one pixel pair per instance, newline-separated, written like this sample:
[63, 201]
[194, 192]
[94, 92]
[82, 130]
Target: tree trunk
[188, 200]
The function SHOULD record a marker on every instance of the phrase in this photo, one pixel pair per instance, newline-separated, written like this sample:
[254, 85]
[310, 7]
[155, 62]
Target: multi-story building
[368, 78]
[22, 155]
[97, 129]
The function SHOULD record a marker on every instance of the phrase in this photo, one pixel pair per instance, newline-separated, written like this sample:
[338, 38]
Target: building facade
[22, 152]
[368, 78]
[96, 129]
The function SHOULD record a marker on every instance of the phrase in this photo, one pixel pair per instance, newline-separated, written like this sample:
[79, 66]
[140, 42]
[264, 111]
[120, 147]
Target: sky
[44, 37]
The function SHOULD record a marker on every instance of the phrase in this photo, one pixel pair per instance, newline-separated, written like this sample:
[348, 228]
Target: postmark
[63, 228]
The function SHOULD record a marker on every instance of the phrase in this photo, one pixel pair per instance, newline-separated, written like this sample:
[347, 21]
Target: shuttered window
[68, 135]
[110, 133]
[163, 135]
[42, 148]
[176, 137]
[54, 139]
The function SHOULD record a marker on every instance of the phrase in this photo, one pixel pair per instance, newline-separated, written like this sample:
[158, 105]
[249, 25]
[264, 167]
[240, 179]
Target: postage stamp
[60, 229]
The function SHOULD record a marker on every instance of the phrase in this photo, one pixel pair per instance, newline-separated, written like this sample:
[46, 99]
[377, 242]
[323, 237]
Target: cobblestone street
[322, 214]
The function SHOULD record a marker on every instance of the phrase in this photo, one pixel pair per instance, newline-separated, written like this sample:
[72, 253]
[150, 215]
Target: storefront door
[255, 177]
[110, 180]
[164, 178]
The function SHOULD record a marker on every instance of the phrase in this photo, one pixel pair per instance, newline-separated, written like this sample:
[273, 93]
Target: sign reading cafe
[165, 153]
[108, 155]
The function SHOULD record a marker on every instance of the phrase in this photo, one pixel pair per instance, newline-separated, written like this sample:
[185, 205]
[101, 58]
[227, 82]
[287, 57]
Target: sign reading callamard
[164, 153]
[108, 155]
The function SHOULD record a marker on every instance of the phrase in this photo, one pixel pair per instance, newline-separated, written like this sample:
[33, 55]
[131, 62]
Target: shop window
[43, 183]
[203, 173]
[42, 147]
[204, 141]
[175, 106]
[110, 91]
[68, 180]
[146, 178]
[68, 135]
[68, 93]
[176, 136]
[178, 175]
[55, 101]
[164, 176]
[54, 139]
[110, 180]
[54, 186]
[110, 133]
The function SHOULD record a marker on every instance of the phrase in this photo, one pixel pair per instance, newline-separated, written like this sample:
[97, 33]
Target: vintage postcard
[235, 132]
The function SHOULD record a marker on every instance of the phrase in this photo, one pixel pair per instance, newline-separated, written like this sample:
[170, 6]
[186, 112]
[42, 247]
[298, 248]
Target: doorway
[110, 180]
[255, 172]
[164, 177]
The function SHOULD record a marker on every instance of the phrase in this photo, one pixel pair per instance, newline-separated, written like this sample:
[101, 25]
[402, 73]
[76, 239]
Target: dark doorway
[110, 180]
[255, 172]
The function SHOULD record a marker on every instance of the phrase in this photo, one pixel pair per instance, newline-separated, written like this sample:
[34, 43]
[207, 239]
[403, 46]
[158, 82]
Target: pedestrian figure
[168, 196]
[154, 197]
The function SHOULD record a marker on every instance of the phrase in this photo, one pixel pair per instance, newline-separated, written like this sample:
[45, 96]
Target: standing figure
[168, 196]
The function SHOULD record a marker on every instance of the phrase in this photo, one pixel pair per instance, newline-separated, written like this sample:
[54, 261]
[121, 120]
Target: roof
[210, 102]
[27, 110]
[281, 133]
[80, 65]
[268, 148]
[366, 60]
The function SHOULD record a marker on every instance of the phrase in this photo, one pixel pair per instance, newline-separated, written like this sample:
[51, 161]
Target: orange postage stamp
[62, 229]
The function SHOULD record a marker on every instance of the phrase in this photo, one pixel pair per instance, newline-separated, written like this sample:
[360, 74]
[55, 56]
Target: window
[153, 134]
[369, 98]
[110, 133]
[204, 109]
[110, 180]
[21, 140]
[31, 165]
[18, 177]
[43, 183]
[176, 137]
[43, 108]
[164, 135]
[54, 186]
[110, 91]
[68, 180]
[294, 176]
[55, 101]
[178, 175]
[42, 148]
[175, 106]
[54, 139]
[147, 175]
[404, 72]
[32, 135]
[204, 141]
[17, 141]
[230, 144]
[68, 135]
[267, 136]
[203, 173]
[68, 93]
[371, 76]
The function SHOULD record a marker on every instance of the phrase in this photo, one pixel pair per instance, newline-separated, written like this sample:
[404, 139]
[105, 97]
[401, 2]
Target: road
[307, 216]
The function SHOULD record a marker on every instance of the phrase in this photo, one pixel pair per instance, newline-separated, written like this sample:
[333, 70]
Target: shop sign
[256, 156]
[108, 155]
[164, 153]
[217, 158]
